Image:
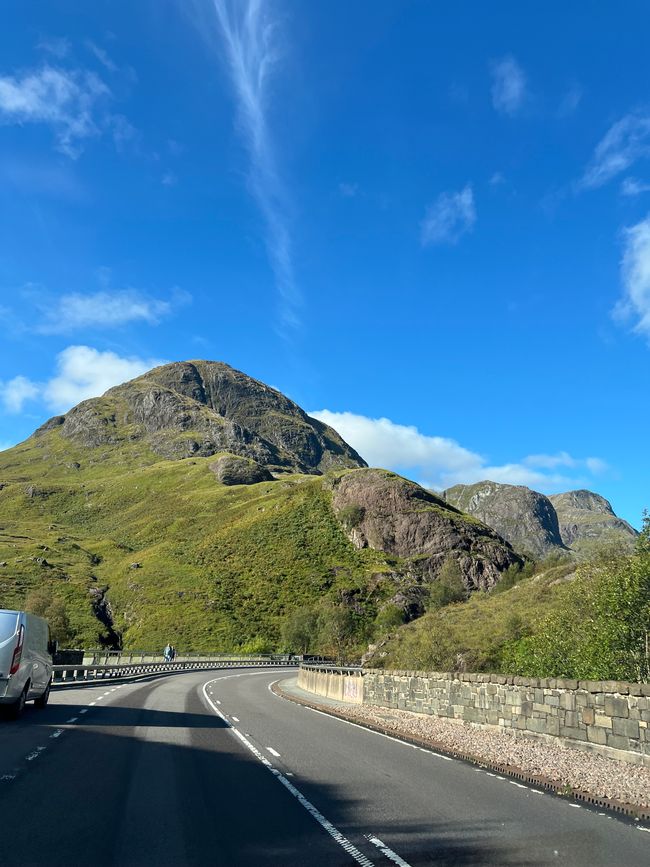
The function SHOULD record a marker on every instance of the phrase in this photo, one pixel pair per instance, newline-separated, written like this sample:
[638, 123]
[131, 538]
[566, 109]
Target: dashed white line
[57, 733]
[84, 710]
[518, 785]
[7, 778]
[388, 853]
[273, 752]
[345, 844]
[73, 719]
[641, 828]
[236, 719]
[92, 704]
[35, 754]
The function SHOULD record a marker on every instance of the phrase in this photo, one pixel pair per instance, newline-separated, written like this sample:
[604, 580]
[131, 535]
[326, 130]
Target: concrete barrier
[341, 684]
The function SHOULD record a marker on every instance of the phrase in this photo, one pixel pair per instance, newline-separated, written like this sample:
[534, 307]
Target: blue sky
[429, 225]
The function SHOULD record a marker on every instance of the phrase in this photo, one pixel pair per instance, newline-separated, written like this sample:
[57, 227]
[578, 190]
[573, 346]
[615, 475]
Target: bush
[351, 516]
[448, 587]
[389, 618]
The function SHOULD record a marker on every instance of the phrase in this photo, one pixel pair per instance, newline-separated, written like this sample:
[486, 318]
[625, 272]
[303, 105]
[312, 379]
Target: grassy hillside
[217, 567]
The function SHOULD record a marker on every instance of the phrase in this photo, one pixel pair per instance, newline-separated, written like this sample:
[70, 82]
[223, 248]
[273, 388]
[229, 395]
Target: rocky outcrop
[383, 511]
[586, 519]
[523, 517]
[200, 408]
[235, 470]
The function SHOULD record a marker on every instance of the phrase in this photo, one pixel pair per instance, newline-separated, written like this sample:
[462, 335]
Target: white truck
[26, 650]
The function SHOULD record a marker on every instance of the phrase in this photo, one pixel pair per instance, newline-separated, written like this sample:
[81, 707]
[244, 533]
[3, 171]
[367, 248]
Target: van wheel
[42, 700]
[15, 710]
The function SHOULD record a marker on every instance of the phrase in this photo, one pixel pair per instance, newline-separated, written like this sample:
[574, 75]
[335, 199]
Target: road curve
[211, 768]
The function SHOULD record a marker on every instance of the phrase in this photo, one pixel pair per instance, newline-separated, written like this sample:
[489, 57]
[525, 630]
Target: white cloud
[439, 462]
[169, 179]
[101, 55]
[508, 85]
[81, 372]
[497, 179]
[84, 372]
[15, 393]
[627, 141]
[108, 309]
[250, 37]
[635, 272]
[449, 217]
[570, 101]
[634, 187]
[66, 100]
[58, 47]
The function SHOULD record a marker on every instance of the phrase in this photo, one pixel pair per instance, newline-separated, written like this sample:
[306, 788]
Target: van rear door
[8, 630]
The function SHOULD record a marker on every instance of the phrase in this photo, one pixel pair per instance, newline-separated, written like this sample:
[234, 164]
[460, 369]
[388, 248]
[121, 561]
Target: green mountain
[587, 520]
[197, 505]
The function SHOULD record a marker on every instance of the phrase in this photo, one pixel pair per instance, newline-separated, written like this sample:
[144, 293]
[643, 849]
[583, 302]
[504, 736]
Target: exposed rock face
[204, 407]
[523, 517]
[383, 511]
[234, 470]
[587, 519]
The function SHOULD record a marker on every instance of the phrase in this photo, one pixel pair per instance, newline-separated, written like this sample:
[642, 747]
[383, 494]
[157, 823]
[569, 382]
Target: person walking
[167, 652]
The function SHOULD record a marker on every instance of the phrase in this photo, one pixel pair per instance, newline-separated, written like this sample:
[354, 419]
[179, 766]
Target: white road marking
[518, 785]
[7, 778]
[641, 828]
[577, 806]
[57, 733]
[84, 710]
[273, 752]
[236, 719]
[35, 754]
[92, 704]
[73, 719]
[383, 848]
[358, 856]
[372, 731]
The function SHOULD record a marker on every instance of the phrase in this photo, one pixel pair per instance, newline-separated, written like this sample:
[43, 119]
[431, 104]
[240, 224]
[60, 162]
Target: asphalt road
[213, 769]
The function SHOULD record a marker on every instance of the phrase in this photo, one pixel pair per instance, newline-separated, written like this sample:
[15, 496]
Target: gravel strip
[585, 772]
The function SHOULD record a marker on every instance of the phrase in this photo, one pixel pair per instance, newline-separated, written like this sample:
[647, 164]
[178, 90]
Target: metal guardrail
[332, 669]
[71, 673]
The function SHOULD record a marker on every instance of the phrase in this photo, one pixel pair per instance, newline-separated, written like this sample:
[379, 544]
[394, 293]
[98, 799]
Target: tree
[300, 630]
[336, 630]
[42, 602]
[449, 586]
[388, 618]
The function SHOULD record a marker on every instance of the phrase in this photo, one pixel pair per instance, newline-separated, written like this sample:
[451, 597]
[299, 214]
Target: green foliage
[351, 516]
[389, 617]
[337, 629]
[601, 629]
[300, 631]
[448, 587]
[513, 575]
[42, 602]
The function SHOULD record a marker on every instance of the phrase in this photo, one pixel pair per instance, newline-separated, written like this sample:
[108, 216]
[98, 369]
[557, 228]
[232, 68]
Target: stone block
[596, 735]
[568, 701]
[628, 728]
[575, 734]
[552, 700]
[616, 706]
[618, 742]
[567, 684]
[582, 699]
[588, 715]
[604, 722]
[571, 719]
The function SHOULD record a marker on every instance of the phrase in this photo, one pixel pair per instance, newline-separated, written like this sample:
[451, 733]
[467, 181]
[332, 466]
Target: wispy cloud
[57, 46]
[449, 217]
[635, 272]
[81, 372]
[440, 462]
[251, 38]
[625, 142]
[169, 179]
[634, 187]
[101, 55]
[508, 85]
[65, 100]
[570, 101]
[75, 311]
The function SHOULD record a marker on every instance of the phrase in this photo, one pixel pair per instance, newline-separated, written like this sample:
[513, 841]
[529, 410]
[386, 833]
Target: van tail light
[18, 652]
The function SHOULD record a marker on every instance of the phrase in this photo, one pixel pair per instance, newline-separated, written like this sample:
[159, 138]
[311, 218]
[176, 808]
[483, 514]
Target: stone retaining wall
[609, 717]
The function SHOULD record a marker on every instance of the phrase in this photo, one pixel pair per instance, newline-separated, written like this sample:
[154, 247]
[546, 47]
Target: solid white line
[383, 848]
[370, 731]
[358, 856]
[273, 752]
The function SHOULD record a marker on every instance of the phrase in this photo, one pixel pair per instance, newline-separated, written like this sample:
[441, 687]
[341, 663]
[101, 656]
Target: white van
[25, 661]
